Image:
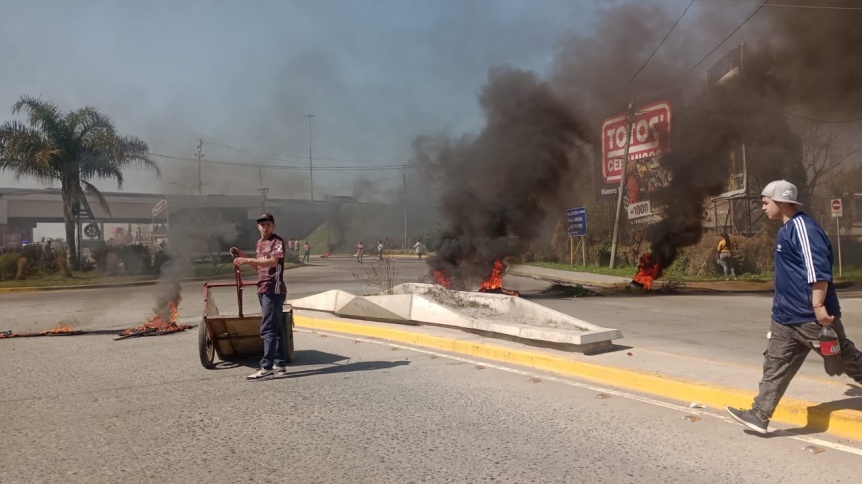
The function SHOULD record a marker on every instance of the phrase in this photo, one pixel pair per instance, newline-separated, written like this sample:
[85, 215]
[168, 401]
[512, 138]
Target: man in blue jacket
[804, 301]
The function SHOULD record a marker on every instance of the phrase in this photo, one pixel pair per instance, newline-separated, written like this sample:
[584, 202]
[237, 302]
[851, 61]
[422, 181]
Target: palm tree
[72, 148]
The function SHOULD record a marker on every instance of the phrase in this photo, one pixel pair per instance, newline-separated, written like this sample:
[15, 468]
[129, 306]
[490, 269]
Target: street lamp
[310, 164]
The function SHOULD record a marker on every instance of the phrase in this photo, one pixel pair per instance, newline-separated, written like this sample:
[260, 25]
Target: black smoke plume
[498, 186]
[796, 61]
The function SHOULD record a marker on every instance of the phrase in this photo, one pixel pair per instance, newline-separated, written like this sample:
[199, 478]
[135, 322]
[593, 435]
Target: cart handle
[239, 286]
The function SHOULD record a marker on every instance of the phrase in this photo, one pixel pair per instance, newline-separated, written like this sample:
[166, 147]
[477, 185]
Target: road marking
[586, 386]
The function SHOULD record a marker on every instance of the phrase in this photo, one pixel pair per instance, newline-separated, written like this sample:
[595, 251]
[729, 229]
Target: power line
[816, 120]
[282, 167]
[297, 157]
[660, 43]
[726, 38]
[783, 5]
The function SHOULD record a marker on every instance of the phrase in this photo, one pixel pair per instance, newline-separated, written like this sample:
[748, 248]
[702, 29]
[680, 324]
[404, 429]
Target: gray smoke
[497, 186]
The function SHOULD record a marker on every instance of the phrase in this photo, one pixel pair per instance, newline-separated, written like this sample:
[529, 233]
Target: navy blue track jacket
[803, 256]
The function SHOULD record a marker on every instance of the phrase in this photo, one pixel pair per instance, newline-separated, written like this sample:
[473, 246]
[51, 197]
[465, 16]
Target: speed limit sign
[837, 208]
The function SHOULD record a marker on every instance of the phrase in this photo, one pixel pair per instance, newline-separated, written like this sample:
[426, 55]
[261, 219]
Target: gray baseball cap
[781, 191]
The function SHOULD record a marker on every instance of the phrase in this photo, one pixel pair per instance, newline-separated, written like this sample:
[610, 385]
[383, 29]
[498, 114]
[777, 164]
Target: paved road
[710, 326]
[90, 409]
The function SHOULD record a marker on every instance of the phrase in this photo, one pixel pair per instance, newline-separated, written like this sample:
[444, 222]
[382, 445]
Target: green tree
[73, 148]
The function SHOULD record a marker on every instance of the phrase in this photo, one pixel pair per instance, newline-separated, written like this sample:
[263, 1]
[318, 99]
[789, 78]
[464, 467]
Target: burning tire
[206, 346]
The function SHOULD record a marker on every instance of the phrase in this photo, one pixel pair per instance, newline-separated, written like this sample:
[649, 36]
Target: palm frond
[92, 191]
[137, 153]
[42, 115]
[23, 151]
[87, 120]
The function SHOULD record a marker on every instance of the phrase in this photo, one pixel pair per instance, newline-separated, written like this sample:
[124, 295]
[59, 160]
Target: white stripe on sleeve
[802, 231]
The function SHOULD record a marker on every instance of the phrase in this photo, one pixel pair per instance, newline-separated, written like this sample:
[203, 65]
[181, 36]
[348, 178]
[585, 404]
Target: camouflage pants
[786, 351]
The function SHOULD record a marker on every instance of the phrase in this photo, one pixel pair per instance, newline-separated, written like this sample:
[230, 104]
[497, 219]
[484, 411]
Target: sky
[376, 74]
[243, 75]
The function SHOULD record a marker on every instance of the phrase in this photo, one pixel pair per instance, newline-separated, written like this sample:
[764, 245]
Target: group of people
[293, 245]
[360, 250]
[805, 300]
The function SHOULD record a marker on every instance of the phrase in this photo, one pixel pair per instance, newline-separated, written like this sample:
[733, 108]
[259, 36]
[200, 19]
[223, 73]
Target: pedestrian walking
[725, 256]
[271, 292]
[380, 250]
[804, 302]
[419, 248]
[306, 248]
[360, 248]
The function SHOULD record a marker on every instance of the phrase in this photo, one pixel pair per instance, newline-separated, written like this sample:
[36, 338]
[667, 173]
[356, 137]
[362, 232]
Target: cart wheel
[288, 334]
[206, 346]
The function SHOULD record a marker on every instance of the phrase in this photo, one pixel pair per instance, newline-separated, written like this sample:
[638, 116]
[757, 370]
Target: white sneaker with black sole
[260, 375]
[279, 371]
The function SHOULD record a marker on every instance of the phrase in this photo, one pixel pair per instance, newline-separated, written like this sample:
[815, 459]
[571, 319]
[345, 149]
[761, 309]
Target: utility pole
[630, 119]
[200, 155]
[404, 177]
[310, 164]
[263, 190]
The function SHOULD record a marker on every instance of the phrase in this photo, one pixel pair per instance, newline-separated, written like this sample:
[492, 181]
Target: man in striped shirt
[804, 301]
[271, 292]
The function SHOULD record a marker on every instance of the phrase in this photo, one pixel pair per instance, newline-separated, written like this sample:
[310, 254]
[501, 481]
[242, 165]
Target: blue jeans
[272, 330]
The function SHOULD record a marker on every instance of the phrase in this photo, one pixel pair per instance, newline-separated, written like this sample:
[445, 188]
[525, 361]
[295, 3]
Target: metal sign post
[837, 212]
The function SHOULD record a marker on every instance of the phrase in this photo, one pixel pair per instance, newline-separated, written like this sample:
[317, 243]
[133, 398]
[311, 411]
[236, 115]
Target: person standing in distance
[271, 292]
[725, 256]
[360, 248]
[805, 300]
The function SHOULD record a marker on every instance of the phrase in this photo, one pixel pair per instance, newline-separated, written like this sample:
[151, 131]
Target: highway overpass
[22, 209]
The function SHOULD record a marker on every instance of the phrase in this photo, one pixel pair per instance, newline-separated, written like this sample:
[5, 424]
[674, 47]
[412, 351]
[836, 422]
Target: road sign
[640, 209]
[160, 207]
[576, 221]
[837, 209]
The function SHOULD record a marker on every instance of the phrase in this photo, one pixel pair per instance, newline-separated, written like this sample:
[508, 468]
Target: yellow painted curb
[813, 418]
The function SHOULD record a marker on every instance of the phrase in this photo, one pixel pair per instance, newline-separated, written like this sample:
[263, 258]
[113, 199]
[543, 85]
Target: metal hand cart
[235, 337]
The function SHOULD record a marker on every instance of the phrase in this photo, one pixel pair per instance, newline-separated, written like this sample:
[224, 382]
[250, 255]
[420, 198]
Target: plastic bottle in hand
[831, 351]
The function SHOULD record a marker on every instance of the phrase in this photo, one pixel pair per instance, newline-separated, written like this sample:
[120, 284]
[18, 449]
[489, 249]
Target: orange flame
[442, 279]
[158, 325]
[58, 330]
[648, 271]
[495, 280]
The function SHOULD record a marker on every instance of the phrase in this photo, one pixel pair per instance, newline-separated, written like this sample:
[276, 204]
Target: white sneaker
[260, 375]
[279, 371]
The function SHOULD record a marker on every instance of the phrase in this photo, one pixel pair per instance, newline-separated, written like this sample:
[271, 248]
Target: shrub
[291, 257]
[34, 256]
[60, 257]
[9, 265]
[136, 258]
[21, 274]
[99, 254]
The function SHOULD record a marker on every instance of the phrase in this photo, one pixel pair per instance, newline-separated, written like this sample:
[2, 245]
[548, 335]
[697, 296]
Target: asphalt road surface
[91, 409]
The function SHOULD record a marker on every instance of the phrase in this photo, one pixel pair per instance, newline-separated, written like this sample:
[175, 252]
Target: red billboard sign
[650, 138]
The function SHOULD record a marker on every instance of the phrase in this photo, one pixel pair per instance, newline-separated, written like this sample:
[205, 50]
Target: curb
[811, 417]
